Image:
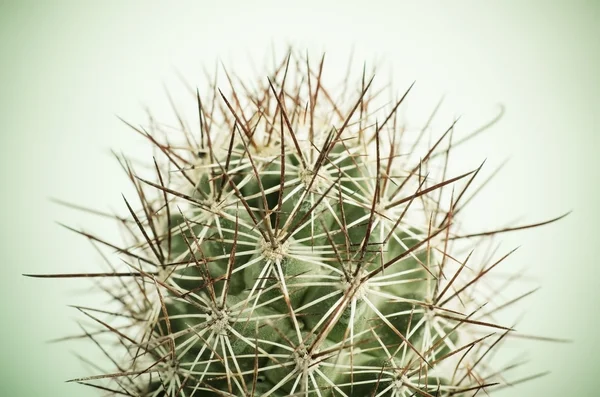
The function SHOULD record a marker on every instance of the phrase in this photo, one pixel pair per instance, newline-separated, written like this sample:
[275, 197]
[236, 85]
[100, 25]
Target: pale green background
[67, 67]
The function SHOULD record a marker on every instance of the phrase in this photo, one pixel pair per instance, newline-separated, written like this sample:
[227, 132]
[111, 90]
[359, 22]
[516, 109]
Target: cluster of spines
[288, 247]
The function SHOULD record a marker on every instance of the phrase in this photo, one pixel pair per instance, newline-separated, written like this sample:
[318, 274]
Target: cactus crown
[295, 244]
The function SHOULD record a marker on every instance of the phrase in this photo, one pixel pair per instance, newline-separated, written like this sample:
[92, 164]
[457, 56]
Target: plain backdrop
[68, 68]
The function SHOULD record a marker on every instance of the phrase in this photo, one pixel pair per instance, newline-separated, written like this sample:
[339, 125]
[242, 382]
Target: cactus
[293, 244]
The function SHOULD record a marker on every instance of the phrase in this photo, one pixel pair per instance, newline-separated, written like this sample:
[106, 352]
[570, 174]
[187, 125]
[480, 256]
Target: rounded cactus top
[300, 241]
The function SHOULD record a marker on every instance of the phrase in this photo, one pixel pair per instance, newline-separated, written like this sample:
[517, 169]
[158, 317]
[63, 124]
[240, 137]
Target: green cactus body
[294, 250]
